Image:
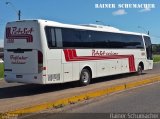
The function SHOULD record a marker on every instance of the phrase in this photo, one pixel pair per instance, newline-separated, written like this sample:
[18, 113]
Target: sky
[87, 12]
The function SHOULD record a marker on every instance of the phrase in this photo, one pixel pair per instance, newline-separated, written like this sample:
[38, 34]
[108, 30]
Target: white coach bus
[48, 52]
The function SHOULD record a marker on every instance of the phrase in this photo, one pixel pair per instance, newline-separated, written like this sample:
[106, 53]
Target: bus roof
[93, 27]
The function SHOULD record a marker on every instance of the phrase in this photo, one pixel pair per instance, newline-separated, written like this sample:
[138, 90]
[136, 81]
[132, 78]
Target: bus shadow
[33, 89]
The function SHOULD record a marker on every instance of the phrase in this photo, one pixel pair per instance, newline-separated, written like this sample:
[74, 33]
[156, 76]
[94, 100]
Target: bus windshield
[148, 47]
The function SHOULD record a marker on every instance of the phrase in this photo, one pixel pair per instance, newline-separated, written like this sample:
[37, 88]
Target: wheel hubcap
[85, 77]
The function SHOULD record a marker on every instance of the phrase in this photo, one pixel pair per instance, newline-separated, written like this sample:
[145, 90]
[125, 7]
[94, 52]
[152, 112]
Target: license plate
[19, 76]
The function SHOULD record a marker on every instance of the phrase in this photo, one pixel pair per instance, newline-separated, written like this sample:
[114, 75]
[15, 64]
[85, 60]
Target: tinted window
[116, 40]
[50, 35]
[132, 41]
[99, 39]
[76, 38]
[92, 39]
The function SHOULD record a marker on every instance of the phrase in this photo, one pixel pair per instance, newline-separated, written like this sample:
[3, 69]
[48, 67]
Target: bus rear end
[23, 57]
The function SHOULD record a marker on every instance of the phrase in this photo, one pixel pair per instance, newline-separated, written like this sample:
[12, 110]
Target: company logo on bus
[18, 59]
[13, 33]
[102, 53]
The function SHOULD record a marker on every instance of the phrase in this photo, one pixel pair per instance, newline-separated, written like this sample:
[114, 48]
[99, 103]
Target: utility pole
[18, 12]
[19, 15]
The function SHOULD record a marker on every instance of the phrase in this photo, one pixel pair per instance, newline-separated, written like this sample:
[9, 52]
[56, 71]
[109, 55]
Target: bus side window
[53, 37]
[50, 35]
[58, 37]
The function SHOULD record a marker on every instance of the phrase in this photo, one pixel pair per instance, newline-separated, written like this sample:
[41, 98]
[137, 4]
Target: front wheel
[139, 71]
[85, 77]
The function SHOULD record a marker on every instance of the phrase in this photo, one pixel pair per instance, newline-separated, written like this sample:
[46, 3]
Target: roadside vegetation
[156, 52]
[156, 58]
[156, 48]
[1, 70]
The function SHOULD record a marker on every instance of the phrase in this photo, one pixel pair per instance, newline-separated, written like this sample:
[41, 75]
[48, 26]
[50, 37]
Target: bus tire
[85, 77]
[139, 70]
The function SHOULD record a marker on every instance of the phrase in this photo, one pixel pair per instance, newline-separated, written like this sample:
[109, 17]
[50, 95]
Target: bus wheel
[85, 77]
[139, 71]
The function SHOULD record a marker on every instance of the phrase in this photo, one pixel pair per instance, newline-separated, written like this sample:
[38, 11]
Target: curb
[74, 99]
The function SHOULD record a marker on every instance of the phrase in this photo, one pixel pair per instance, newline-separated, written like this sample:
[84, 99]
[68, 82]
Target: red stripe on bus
[71, 55]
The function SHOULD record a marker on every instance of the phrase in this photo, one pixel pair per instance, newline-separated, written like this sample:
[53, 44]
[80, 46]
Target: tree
[156, 48]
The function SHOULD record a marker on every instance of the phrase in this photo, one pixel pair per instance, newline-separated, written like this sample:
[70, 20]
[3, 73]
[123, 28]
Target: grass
[1, 70]
[156, 58]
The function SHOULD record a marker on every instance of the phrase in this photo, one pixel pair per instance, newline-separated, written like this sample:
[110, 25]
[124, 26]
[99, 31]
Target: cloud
[1, 43]
[119, 12]
[145, 10]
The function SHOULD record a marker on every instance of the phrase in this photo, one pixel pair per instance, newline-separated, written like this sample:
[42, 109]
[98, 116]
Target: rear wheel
[85, 77]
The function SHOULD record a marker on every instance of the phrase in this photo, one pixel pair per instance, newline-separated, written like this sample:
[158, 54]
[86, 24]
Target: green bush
[156, 58]
[1, 70]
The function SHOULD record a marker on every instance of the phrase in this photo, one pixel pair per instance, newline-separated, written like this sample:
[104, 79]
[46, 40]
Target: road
[14, 96]
[138, 100]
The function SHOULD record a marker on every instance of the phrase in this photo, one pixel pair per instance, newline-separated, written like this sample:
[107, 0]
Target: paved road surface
[144, 99]
[140, 100]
